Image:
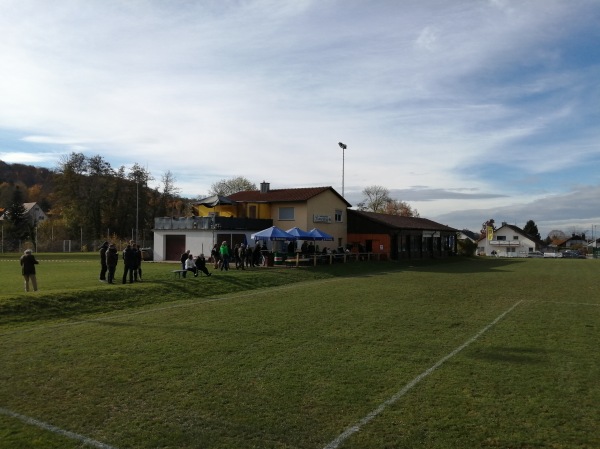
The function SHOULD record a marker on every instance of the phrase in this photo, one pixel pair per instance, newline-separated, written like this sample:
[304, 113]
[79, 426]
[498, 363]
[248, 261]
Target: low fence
[275, 259]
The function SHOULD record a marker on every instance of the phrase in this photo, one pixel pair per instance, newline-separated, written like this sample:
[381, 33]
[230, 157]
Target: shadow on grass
[66, 304]
[464, 265]
[513, 355]
[226, 332]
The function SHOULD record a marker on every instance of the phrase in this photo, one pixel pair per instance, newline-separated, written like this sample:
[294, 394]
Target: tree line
[86, 200]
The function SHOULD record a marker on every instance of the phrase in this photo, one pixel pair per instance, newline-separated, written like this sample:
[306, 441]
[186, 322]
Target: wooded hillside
[86, 199]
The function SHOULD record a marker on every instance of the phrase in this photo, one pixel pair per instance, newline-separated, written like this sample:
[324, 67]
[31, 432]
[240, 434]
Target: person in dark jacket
[183, 259]
[201, 264]
[249, 257]
[103, 266]
[130, 261]
[216, 256]
[28, 263]
[136, 258]
[140, 258]
[112, 259]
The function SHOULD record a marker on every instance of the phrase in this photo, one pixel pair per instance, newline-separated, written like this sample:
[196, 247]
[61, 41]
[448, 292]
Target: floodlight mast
[343, 146]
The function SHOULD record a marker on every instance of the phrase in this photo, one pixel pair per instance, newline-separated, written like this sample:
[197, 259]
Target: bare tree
[376, 197]
[227, 187]
[169, 194]
[556, 235]
[401, 208]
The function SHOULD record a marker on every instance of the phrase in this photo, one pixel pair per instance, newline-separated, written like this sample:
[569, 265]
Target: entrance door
[174, 247]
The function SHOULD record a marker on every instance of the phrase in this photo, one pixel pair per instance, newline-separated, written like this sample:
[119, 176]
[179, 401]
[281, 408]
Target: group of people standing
[221, 256]
[243, 256]
[132, 262]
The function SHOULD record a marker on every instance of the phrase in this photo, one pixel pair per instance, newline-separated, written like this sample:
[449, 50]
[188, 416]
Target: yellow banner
[490, 233]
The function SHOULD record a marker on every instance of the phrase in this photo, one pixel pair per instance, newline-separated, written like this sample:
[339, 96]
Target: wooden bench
[178, 273]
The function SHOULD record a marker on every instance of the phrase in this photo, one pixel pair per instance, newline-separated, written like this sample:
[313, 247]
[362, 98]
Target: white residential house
[508, 241]
[574, 242]
[34, 213]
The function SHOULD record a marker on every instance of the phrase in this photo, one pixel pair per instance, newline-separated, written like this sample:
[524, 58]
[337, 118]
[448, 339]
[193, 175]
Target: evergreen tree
[15, 213]
[532, 229]
[19, 228]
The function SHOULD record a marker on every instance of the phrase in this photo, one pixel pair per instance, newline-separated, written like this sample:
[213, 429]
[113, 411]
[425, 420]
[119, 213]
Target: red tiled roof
[281, 195]
[397, 221]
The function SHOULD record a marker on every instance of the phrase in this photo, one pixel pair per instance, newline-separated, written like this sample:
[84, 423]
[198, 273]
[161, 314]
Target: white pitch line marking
[393, 399]
[54, 429]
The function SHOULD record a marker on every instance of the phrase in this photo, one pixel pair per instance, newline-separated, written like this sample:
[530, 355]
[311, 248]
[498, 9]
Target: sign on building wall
[490, 233]
[321, 219]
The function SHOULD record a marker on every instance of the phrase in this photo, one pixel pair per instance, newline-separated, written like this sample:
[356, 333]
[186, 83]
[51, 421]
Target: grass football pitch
[458, 353]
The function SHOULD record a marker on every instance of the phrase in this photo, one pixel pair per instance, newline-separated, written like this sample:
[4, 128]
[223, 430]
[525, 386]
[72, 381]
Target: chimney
[264, 187]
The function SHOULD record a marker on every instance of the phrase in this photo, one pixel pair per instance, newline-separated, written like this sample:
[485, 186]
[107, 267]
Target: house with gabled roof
[400, 237]
[33, 212]
[466, 234]
[248, 212]
[508, 241]
[574, 242]
[306, 208]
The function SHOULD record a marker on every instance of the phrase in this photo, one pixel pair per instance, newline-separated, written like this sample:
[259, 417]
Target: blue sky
[466, 109]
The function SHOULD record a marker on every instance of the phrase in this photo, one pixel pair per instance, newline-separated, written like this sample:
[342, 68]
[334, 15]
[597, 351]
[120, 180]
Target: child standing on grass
[28, 263]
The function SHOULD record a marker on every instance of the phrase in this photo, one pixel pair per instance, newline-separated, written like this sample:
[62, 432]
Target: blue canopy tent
[317, 234]
[273, 234]
[299, 233]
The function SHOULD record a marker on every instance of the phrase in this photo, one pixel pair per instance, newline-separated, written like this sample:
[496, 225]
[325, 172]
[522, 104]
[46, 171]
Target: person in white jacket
[190, 265]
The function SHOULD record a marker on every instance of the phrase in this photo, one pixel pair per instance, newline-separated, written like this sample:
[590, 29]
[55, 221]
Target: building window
[515, 237]
[501, 237]
[252, 212]
[338, 216]
[286, 213]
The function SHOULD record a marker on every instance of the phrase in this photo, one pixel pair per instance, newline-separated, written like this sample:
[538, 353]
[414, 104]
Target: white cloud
[26, 158]
[426, 93]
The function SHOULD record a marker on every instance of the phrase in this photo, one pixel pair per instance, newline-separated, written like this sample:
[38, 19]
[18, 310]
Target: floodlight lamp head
[342, 145]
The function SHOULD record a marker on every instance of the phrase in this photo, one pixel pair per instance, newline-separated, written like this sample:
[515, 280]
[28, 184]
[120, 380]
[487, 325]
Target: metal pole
[343, 146]
[137, 209]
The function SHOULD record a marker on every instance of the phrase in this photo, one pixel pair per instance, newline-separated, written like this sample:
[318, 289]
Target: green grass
[291, 358]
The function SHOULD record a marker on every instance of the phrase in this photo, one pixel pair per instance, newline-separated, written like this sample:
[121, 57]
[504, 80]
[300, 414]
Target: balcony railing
[209, 223]
[505, 242]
